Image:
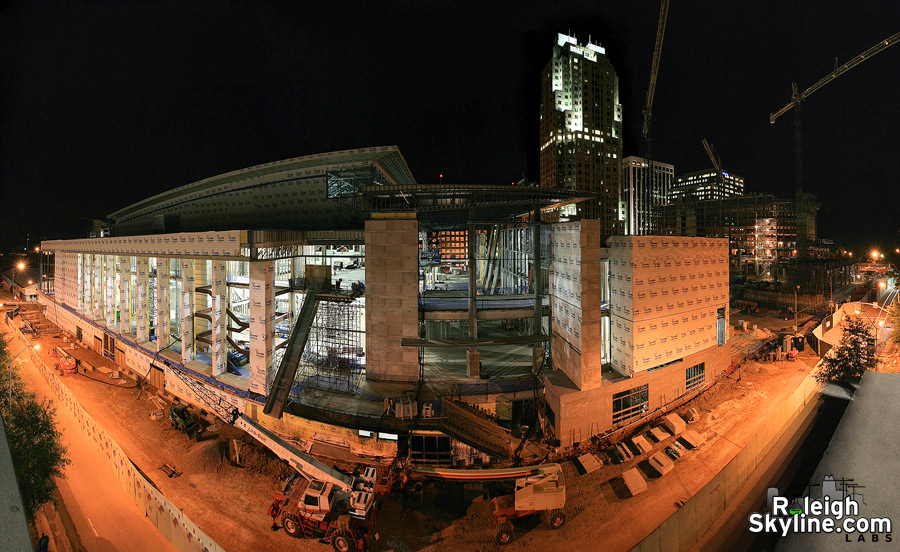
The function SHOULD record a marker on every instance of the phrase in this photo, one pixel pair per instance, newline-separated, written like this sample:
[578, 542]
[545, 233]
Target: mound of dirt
[206, 456]
[252, 457]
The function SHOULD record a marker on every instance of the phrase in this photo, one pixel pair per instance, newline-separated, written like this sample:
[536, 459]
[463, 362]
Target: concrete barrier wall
[176, 527]
[685, 527]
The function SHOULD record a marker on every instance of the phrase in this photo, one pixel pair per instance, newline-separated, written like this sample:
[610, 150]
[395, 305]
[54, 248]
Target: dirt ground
[227, 501]
[230, 502]
[597, 505]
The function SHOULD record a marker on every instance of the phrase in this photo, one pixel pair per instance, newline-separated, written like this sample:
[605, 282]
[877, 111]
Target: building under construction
[761, 228]
[445, 316]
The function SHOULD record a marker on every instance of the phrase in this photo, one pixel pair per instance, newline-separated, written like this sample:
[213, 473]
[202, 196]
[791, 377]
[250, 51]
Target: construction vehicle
[543, 491]
[67, 364]
[315, 509]
[343, 512]
[180, 418]
[319, 501]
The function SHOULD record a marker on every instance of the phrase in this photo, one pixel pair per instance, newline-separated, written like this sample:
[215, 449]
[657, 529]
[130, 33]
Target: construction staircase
[475, 428]
[287, 370]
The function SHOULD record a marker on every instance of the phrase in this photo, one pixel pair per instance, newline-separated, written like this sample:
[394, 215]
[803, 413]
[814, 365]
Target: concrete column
[219, 319]
[110, 288]
[262, 313]
[142, 293]
[187, 310]
[473, 362]
[124, 294]
[79, 280]
[392, 299]
[162, 303]
[97, 287]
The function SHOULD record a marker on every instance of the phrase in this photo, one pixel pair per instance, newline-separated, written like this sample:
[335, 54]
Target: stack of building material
[634, 481]
[693, 438]
[659, 433]
[674, 423]
[641, 443]
[589, 462]
[661, 463]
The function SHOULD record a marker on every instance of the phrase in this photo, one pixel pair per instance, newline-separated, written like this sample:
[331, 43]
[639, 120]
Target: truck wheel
[557, 519]
[341, 543]
[291, 527]
[505, 534]
[198, 435]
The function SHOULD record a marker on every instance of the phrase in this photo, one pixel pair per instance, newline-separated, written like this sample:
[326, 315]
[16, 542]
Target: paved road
[105, 516]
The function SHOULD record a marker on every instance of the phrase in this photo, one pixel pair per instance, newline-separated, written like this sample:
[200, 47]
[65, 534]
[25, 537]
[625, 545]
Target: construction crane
[714, 157]
[838, 71]
[654, 67]
[798, 97]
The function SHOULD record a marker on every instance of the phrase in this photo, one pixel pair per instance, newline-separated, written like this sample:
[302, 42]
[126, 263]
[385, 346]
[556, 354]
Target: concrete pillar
[392, 299]
[187, 310]
[142, 292]
[262, 328]
[124, 272]
[473, 362]
[110, 291]
[162, 303]
[219, 351]
[97, 287]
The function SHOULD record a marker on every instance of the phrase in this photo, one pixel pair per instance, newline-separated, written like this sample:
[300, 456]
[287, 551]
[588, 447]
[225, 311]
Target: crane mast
[654, 67]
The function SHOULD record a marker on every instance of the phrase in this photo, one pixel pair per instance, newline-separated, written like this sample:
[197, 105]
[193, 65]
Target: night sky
[106, 103]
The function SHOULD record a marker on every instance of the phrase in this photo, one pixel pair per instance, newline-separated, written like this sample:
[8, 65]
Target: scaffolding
[334, 357]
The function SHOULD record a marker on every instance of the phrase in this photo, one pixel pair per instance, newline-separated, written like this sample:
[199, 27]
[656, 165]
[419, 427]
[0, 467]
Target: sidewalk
[105, 517]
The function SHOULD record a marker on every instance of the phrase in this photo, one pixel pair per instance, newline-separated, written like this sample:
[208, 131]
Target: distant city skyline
[98, 98]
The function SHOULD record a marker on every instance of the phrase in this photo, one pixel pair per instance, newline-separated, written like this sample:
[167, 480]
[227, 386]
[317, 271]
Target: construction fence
[171, 522]
[684, 529]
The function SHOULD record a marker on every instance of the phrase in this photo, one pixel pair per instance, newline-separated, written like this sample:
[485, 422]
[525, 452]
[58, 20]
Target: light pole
[35, 347]
[795, 309]
[20, 267]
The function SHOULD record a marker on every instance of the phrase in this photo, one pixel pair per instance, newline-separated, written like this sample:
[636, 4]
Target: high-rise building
[581, 129]
[645, 186]
[707, 184]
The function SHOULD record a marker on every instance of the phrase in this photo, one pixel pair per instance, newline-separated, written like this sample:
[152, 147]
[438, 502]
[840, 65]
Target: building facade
[581, 129]
[650, 328]
[762, 229]
[645, 186]
[254, 319]
[707, 184]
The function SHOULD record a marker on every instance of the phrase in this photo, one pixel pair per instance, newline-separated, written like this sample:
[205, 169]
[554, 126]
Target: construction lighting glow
[874, 254]
[37, 347]
[20, 266]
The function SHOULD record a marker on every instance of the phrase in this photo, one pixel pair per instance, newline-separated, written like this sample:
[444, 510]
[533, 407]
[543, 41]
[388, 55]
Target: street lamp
[35, 347]
[795, 309]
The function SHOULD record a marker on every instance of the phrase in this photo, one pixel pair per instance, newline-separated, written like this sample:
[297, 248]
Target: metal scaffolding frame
[334, 354]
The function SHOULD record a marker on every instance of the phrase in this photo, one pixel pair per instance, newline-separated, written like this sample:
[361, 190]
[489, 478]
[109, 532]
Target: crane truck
[318, 501]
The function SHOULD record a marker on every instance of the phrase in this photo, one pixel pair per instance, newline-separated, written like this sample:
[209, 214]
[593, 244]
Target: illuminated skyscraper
[581, 130]
[706, 185]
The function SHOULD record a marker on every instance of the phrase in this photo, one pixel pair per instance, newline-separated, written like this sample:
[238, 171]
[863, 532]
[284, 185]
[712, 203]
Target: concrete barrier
[176, 527]
[684, 529]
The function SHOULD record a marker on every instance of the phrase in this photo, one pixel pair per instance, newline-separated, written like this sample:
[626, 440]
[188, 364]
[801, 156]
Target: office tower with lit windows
[645, 187]
[581, 130]
[707, 184]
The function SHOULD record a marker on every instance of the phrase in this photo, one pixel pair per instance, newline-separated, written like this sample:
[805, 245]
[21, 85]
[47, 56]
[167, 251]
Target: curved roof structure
[314, 192]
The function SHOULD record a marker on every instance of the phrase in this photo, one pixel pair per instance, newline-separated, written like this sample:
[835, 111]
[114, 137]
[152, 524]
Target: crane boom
[710, 151]
[797, 98]
[654, 67]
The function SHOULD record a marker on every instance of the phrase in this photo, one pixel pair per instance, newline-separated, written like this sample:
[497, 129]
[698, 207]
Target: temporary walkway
[287, 370]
